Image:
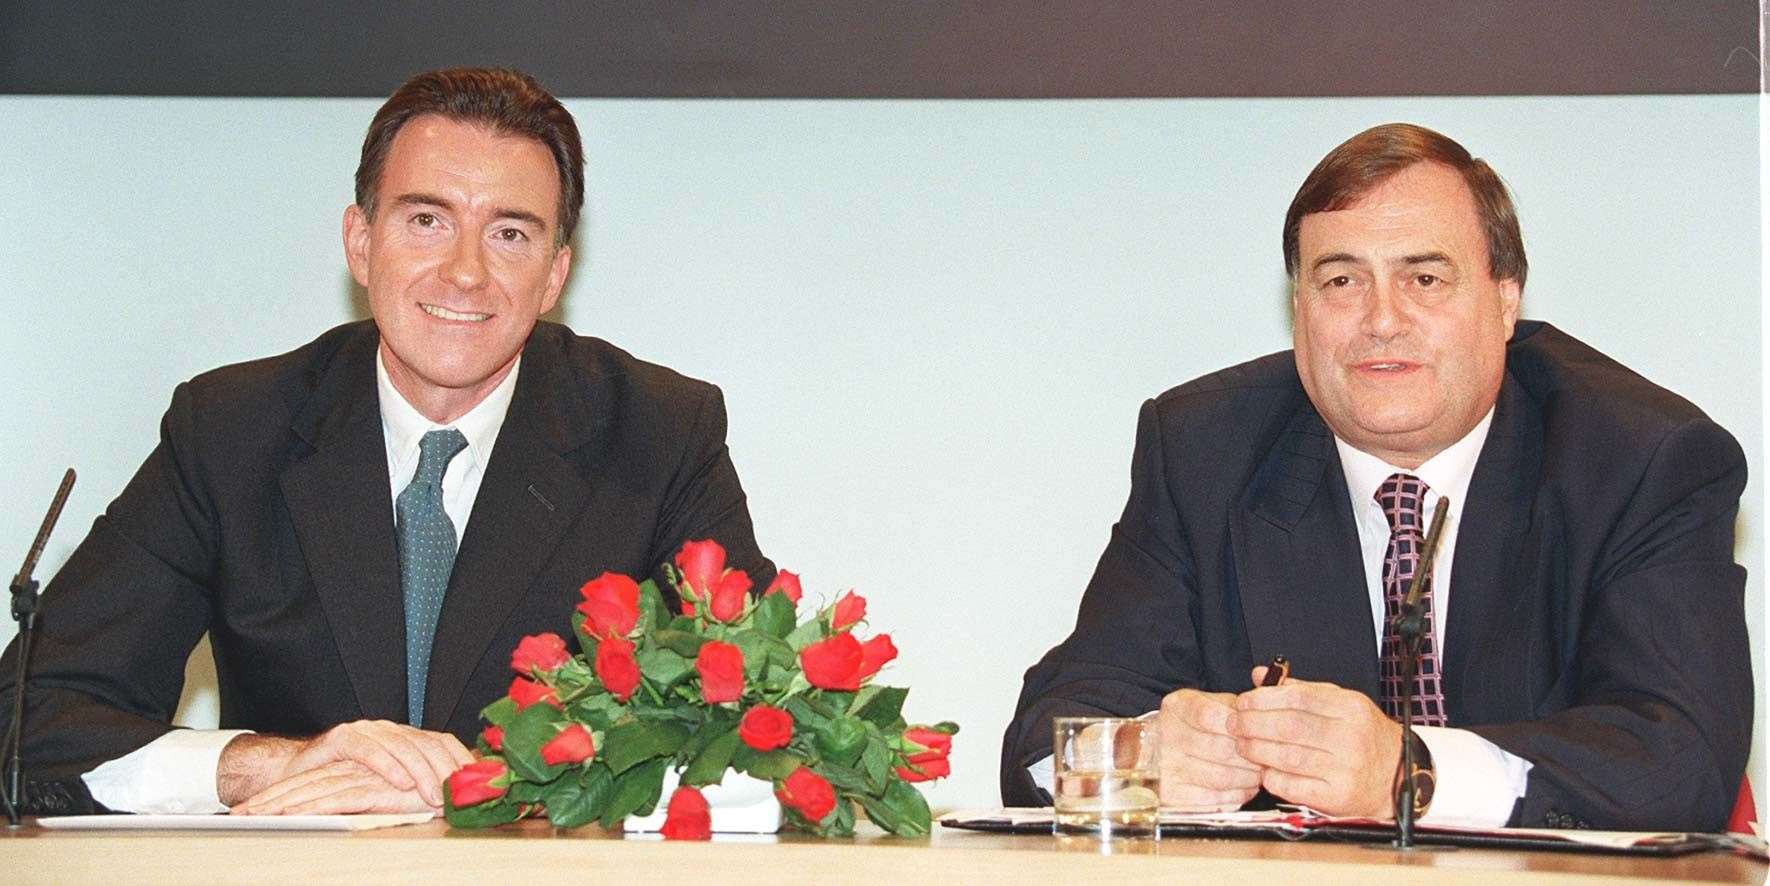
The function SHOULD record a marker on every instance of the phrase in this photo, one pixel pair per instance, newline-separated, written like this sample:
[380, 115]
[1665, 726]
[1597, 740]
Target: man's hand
[407, 759]
[338, 788]
[1201, 768]
[1325, 747]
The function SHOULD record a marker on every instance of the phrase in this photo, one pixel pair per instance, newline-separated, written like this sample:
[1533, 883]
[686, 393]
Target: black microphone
[24, 611]
[1410, 629]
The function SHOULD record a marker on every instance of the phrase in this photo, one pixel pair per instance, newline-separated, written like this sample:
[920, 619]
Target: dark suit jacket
[265, 517]
[1596, 625]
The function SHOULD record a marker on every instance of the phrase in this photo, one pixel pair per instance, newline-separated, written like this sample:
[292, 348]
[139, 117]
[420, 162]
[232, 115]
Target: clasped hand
[1315, 744]
[362, 766]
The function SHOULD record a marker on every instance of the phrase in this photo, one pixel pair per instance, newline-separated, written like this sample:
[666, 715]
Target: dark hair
[1371, 157]
[508, 102]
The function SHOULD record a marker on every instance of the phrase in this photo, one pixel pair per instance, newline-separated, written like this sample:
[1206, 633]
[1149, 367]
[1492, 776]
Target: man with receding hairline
[367, 525]
[1585, 660]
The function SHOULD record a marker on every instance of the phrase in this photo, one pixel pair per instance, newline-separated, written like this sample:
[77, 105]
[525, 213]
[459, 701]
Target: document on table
[232, 822]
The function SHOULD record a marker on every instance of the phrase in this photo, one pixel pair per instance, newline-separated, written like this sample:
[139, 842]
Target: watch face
[1425, 780]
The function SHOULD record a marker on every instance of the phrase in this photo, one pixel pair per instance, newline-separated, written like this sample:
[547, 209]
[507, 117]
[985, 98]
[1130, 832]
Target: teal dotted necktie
[426, 557]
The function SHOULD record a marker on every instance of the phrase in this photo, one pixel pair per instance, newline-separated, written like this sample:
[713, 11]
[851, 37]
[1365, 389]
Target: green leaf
[882, 707]
[598, 711]
[684, 643]
[526, 791]
[754, 645]
[709, 767]
[946, 726]
[499, 712]
[841, 821]
[774, 615]
[806, 634]
[481, 815]
[663, 666]
[635, 790]
[653, 614]
[523, 736]
[768, 766]
[806, 713]
[843, 777]
[578, 799]
[875, 763]
[629, 743]
[908, 807]
[841, 740]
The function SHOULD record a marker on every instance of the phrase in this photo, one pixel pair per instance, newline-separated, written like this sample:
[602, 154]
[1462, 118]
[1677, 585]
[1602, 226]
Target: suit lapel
[530, 495]
[1489, 598]
[341, 507]
[1299, 571]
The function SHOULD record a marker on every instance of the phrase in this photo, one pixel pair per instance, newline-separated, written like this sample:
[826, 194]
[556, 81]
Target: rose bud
[572, 745]
[611, 605]
[785, 583]
[766, 728]
[701, 563]
[472, 784]
[730, 595]
[687, 817]
[833, 663]
[874, 654]
[539, 652]
[493, 736]
[930, 763]
[721, 666]
[616, 667]
[849, 608]
[526, 692]
[808, 794]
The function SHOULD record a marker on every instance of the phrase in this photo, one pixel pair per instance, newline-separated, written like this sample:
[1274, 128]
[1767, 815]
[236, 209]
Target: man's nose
[465, 268]
[1385, 313]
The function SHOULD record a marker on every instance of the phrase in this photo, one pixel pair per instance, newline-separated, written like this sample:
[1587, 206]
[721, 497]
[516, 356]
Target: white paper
[232, 822]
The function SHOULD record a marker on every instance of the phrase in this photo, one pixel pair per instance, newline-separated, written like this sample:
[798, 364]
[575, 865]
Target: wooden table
[534, 853]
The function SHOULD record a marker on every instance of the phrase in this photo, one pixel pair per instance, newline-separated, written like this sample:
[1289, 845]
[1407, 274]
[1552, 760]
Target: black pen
[1276, 671]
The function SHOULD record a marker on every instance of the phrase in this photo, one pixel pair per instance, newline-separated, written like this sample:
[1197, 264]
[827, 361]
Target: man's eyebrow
[1333, 258]
[419, 198]
[523, 215]
[1422, 258]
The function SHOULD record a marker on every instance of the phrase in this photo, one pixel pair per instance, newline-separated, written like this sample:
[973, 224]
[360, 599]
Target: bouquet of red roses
[735, 683]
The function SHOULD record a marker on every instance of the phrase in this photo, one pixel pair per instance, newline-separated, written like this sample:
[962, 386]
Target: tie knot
[435, 451]
[1403, 499]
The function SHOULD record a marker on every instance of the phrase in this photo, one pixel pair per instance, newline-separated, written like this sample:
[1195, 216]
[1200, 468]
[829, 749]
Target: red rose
[874, 654]
[766, 728]
[493, 736]
[472, 785]
[611, 605]
[539, 652]
[526, 692]
[808, 794]
[933, 762]
[729, 595]
[785, 583]
[571, 745]
[616, 667]
[833, 663]
[702, 563]
[688, 817]
[850, 608]
[721, 666]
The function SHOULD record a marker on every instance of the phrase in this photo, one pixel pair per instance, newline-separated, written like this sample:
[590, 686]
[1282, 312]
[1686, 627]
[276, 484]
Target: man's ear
[562, 267]
[356, 244]
[1511, 294]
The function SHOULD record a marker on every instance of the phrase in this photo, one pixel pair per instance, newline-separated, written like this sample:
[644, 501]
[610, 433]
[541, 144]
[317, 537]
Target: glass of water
[1106, 777]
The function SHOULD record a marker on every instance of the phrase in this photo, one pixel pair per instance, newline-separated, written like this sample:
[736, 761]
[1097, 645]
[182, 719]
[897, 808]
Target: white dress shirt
[1477, 782]
[176, 772]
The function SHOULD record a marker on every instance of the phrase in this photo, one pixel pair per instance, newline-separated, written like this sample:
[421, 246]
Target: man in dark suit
[366, 526]
[1586, 660]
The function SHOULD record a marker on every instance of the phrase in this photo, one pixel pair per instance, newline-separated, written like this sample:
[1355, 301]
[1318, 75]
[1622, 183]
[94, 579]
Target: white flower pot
[739, 805]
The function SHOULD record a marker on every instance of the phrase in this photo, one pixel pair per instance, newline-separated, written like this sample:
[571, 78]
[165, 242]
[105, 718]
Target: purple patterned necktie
[1403, 498]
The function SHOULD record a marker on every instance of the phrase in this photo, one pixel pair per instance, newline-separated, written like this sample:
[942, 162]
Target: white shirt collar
[404, 426]
[1446, 474]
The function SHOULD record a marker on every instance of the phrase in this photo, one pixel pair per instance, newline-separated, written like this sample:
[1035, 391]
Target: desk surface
[533, 852]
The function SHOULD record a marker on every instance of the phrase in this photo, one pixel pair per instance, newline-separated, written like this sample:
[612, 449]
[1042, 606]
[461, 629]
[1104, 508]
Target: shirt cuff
[174, 773]
[1043, 775]
[1477, 782]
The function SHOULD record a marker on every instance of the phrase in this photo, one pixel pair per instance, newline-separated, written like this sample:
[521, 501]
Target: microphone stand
[1410, 629]
[24, 611]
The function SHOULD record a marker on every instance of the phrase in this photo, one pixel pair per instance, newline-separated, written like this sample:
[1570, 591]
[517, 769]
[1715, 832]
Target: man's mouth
[443, 313]
[1384, 366]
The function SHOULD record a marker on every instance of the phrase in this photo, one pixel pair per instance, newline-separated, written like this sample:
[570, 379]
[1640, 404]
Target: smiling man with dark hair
[1585, 660]
[367, 525]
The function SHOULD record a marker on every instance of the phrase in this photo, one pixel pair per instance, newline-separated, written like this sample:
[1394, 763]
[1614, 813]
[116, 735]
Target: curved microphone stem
[1410, 629]
[24, 611]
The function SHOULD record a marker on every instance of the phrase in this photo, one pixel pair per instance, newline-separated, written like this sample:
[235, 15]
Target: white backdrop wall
[933, 321]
